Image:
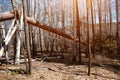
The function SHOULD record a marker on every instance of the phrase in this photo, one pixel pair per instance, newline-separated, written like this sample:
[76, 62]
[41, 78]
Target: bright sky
[3, 1]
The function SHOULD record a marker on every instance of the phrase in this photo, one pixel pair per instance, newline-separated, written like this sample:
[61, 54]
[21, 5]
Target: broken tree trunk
[3, 42]
[3, 31]
[6, 16]
[8, 38]
[10, 15]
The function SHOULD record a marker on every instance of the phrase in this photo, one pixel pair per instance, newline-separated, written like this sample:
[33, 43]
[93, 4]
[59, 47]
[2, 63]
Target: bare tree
[88, 38]
[27, 37]
[117, 25]
[100, 25]
[78, 30]
[93, 31]
[110, 16]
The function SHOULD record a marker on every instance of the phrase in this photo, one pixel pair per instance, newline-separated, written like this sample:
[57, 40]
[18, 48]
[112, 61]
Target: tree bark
[117, 25]
[27, 38]
[88, 39]
[100, 25]
[93, 31]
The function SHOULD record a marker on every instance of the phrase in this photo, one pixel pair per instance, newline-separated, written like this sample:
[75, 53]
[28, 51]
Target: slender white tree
[17, 59]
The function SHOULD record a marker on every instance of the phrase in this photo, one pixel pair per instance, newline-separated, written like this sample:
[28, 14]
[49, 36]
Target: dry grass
[64, 71]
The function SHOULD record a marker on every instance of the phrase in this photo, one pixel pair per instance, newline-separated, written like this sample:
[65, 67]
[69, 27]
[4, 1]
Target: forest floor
[103, 68]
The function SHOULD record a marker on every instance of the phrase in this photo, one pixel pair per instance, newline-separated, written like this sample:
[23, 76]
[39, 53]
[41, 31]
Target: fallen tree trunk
[48, 28]
[6, 16]
[10, 15]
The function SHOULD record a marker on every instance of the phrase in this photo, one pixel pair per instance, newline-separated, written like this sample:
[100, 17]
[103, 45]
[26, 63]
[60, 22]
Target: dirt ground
[103, 68]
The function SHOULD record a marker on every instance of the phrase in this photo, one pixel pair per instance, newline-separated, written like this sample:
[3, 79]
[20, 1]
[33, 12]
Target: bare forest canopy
[61, 13]
[55, 8]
